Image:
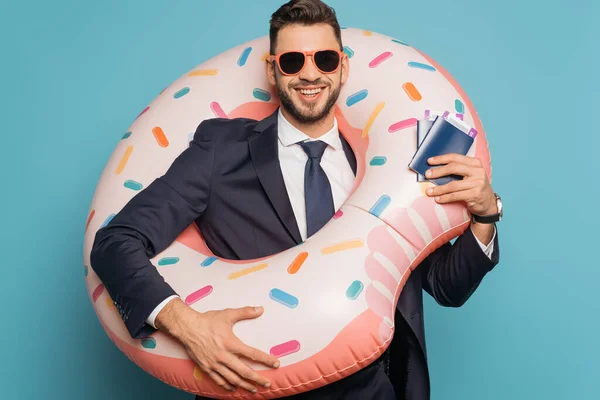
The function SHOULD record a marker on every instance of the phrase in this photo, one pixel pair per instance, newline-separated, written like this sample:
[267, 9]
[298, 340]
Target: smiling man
[255, 188]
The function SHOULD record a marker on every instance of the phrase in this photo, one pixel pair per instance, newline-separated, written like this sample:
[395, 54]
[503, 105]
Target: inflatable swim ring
[328, 302]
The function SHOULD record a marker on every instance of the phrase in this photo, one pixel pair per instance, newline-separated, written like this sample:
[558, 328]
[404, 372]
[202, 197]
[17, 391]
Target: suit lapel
[265, 157]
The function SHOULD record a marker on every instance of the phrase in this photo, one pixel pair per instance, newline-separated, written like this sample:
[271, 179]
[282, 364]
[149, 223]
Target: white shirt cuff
[489, 249]
[159, 307]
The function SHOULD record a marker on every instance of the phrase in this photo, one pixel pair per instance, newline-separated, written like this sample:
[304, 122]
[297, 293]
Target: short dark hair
[304, 12]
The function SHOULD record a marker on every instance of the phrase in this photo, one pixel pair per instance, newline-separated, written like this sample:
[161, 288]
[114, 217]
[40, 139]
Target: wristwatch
[492, 218]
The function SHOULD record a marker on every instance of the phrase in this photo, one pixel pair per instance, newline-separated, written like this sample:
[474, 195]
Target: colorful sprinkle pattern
[379, 258]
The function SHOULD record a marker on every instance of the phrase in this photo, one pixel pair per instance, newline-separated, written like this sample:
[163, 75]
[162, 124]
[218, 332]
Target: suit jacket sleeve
[147, 225]
[453, 272]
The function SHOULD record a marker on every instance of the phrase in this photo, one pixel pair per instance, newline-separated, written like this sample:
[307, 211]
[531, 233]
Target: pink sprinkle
[97, 292]
[286, 348]
[198, 294]
[145, 109]
[402, 125]
[217, 110]
[338, 214]
[380, 58]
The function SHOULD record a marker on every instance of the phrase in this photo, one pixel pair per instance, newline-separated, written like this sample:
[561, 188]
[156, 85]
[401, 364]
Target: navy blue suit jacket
[229, 183]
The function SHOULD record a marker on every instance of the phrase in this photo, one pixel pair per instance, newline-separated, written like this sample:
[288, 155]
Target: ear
[345, 68]
[270, 71]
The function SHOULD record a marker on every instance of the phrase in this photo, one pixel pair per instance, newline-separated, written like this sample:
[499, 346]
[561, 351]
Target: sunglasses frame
[311, 54]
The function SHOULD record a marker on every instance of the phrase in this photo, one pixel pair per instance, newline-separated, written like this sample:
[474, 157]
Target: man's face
[310, 95]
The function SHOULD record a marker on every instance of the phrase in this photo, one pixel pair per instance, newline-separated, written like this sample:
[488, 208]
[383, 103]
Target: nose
[310, 72]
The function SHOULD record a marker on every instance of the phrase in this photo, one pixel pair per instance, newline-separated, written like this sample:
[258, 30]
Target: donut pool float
[328, 302]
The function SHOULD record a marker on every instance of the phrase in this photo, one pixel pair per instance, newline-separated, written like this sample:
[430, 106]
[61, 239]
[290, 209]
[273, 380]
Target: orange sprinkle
[424, 187]
[124, 160]
[87, 224]
[367, 33]
[372, 118]
[350, 244]
[297, 263]
[412, 91]
[197, 373]
[204, 72]
[160, 136]
[239, 274]
[264, 57]
[110, 304]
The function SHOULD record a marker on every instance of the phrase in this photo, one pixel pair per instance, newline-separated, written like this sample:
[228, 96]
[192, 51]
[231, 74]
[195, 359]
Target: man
[259, 187]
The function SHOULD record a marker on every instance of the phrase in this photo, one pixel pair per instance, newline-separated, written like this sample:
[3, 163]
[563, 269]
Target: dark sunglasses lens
[327, 60]
[291, 63]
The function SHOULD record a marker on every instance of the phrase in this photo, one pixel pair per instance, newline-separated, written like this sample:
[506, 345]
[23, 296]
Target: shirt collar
[289, 134]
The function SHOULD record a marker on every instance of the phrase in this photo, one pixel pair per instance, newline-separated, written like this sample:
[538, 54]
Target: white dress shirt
[292, 160]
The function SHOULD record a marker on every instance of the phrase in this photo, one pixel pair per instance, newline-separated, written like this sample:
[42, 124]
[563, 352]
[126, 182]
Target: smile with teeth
[310, 92]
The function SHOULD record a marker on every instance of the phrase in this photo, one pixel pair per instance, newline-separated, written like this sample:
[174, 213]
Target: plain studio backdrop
[75, 74]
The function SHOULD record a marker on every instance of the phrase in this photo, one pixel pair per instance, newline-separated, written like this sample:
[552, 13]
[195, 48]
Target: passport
[445, 134]
[424, 125]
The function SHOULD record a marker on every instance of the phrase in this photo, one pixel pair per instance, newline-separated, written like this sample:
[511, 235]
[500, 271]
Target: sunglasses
[327, 61]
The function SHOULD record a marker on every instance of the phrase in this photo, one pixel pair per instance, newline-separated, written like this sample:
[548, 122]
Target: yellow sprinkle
[109, 303]
[239, 274]
[264, 57]
[367, 33]
[204, 72]
[424, 186]
[124, 160]
[350, 244]
[372, 118]
[197, 374]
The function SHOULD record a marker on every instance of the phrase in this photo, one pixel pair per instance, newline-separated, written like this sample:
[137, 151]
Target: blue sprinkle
[133, 185]
[284, 298]
[85, 270]
[108, 219]
[348, 51]
[126, 135]
[261, 94]
[149, 343]
[208, 261]
[378, 160]
[182, 92]
[399, 42]
[354, 290]
[356, 97]
[244, 56]
[380, 205]
[426, 67]
[168, 261]
[460, 107]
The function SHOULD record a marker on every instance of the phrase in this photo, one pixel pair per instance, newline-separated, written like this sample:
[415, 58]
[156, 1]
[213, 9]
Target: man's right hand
[209, 340]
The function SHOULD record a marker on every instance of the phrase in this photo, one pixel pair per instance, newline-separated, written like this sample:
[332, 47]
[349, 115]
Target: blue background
[76, 73]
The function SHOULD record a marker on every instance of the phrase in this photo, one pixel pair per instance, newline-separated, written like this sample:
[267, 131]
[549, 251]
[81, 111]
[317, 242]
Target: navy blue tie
[317, 190]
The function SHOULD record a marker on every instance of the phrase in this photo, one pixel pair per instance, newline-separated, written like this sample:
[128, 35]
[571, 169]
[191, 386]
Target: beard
[311, 113]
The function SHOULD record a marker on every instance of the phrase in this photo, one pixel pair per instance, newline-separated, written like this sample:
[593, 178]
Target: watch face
[500, 208]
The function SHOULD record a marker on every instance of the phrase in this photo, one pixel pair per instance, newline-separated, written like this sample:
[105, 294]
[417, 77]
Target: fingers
[453, 168]
[255, 355]
[454, 186]
[242, 370]
[219, 380]
[454, 157]
[238, 314]
[234, 378]
[463, 195]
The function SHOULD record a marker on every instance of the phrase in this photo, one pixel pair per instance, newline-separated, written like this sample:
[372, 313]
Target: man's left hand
[474, 189]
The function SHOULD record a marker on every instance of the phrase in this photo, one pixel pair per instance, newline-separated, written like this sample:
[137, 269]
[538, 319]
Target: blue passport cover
[442, 138]
[423, 126]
